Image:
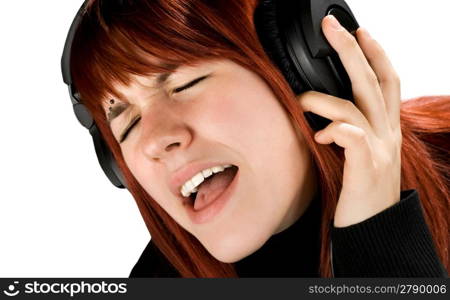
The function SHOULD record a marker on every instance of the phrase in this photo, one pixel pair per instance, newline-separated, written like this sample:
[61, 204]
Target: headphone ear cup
[291, 34]
[274, 44]
[106, 159]
[104, 154]
[268, 30]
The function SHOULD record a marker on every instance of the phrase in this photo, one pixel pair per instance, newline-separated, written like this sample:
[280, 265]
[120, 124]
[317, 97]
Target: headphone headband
[290, 32]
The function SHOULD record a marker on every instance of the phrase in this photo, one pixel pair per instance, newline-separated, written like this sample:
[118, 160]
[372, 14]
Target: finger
[387, 76]
[366, 90]
[333, 108]
[353, 139]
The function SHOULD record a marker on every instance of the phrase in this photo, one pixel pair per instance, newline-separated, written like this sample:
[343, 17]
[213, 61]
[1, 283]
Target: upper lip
[186, 172]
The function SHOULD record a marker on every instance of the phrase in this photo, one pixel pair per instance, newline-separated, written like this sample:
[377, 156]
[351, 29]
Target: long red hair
[113, 43]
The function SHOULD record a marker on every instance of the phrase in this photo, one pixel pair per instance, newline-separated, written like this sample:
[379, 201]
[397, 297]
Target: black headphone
[290, 32]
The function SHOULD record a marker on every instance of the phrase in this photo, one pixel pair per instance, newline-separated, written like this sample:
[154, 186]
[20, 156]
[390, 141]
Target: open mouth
[211, 188]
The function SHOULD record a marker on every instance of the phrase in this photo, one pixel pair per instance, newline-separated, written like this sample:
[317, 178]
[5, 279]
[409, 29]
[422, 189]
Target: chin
[233, 250]
[229, 257]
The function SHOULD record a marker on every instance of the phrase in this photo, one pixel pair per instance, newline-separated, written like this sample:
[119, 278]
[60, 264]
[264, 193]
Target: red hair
[110, 45]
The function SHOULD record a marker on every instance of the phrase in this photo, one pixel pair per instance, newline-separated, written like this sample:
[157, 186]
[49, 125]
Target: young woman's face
[229, 116]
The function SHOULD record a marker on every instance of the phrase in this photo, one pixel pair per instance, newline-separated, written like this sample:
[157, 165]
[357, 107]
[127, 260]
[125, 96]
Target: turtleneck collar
[293, 252]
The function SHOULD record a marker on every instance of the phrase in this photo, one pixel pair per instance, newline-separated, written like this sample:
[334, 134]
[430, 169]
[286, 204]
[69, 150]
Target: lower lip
[214, 208]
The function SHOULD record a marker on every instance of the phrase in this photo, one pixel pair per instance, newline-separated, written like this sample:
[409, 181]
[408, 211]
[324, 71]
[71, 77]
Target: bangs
[142, 38]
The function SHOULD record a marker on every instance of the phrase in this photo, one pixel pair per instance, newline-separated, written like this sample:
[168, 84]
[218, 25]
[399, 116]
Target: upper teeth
[191, 185]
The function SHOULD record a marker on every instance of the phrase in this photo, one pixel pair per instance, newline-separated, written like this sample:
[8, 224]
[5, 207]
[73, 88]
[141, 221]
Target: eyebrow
[118, 109]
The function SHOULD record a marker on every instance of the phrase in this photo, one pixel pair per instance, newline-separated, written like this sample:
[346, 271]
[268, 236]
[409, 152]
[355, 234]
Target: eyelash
[177, 90]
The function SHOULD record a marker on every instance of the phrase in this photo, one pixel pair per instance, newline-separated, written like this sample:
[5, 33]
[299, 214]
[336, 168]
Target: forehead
[141, 86]
[136, 80]
[138, 87]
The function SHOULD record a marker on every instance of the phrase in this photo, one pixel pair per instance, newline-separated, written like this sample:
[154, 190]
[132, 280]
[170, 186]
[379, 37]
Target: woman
[193, 109]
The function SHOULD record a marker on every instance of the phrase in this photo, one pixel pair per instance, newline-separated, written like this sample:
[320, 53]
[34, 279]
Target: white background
[59, 214]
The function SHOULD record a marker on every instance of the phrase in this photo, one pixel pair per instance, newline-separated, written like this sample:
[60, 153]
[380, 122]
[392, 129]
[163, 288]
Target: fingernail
[367, 33]
[334, 22]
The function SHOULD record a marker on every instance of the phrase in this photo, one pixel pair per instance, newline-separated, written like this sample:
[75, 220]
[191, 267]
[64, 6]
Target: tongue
[212, 187]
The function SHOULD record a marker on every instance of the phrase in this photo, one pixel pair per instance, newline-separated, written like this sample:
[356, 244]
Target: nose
[164, 133]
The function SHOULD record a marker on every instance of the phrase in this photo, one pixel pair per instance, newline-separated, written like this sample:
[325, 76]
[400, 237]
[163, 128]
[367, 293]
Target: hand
[369, 131]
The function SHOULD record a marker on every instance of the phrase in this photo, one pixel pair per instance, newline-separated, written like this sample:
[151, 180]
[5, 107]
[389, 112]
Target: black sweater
[393, 243]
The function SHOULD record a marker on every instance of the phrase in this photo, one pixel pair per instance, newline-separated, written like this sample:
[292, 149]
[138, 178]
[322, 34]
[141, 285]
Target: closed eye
[188, 85]
[177, 90]
[128, 128]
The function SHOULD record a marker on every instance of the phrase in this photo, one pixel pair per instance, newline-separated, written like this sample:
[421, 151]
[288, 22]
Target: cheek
[252, 121]
[234, 118]
[150, 179]
[145, 176]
